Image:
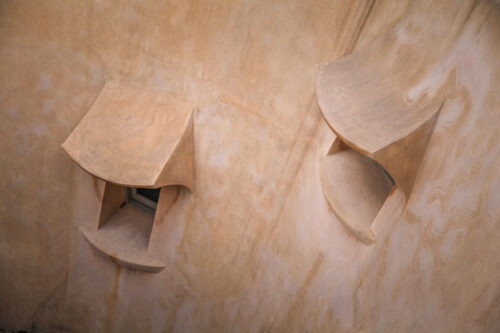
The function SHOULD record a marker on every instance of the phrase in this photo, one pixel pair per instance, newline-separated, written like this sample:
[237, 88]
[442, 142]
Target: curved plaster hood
[135, 137]
[382, 103]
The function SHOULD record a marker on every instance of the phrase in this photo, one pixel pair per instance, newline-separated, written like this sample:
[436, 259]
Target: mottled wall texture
[255, 247]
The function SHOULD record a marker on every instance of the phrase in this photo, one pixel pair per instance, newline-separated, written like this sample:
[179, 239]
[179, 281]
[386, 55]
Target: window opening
[145, 198]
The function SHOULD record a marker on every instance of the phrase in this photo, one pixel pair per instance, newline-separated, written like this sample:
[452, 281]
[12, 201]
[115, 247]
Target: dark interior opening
[150, 193]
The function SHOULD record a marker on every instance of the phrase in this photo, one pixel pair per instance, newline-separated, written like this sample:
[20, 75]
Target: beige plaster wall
[255, 248]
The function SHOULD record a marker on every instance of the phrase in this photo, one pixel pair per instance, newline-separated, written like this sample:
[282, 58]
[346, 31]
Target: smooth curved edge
[181, 148]
[150, 264]
[121, 182]
[106, 178]
[365, 235]
[435, 104]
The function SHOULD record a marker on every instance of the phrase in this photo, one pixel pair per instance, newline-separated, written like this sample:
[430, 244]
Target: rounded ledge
[141, 262]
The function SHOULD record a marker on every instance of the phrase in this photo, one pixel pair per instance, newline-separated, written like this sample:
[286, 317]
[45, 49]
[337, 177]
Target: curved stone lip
[355, 188]
[368, 115]
[143, 262]
[130, 136]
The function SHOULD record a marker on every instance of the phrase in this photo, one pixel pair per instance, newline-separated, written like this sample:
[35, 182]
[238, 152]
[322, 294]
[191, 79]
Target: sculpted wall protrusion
[134, 137]
[383, 102]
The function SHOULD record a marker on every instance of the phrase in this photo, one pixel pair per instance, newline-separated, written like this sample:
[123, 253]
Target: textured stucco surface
[255, 247]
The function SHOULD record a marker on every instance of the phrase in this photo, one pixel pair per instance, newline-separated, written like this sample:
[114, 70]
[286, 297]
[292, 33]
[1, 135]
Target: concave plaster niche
[382, 103]
[134, 138]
